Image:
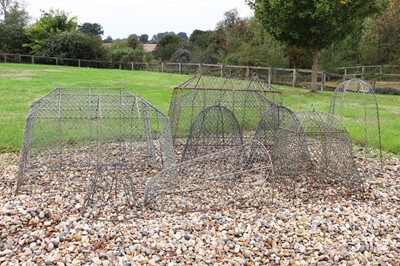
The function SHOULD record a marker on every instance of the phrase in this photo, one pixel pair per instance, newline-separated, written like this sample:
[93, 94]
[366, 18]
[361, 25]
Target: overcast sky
[120, 18]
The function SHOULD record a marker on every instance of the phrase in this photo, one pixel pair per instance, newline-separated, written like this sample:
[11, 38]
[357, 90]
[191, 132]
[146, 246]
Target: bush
[74, 45]
[387, 90]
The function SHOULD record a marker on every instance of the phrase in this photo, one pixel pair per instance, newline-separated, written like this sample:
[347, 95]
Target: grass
[21, 84]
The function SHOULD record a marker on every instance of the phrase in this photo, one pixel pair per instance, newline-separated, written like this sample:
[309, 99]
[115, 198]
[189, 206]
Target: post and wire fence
[383, 74]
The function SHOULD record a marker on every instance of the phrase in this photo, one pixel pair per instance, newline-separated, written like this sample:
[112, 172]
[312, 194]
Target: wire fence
[387, 75]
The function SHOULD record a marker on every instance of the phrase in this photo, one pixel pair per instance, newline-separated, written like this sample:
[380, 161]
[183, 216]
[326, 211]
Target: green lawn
[21, 84]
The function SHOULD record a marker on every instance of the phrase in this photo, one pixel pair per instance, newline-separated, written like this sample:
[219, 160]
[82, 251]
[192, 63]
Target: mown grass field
[21, 84]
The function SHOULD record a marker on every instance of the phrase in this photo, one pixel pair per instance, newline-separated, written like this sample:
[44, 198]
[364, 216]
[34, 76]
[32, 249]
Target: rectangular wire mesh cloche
[100, 141]
[247, 99]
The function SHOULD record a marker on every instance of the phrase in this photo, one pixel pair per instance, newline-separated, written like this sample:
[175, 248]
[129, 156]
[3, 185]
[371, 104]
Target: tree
[13, 13]
[49, 24]
[120, 52]
[12, 26]
[167, 46]
[158, 36]
[183, 35]
[75, 45]
[181, 56]
[144, 38]
[252, 45]
[109, 39]
[5, 6]
[12, 39]
[231, 18]
[133, 42]
[199, 38]
[310, 23]
[91, 28]
[380, 42]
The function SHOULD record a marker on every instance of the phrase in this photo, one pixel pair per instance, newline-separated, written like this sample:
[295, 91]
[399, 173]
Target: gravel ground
[44, 229]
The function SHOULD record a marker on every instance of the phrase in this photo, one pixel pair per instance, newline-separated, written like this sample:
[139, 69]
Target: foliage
[134, 42]
[181, 56]
[159, 36]
[237, 41]
[144, 38]
[121, 52]
[51, 23]
[218, 44]
[200, 38]
[91, 28]
[240, 41]
[12, 39]
[231, 18]
[5, 6]
[167, 46]
[312, 24]
[74, 45]
[14, 13]
[198, 43]
[183, 35]
[12, 31]
[381, 39]
[343, 53]
[109, 39]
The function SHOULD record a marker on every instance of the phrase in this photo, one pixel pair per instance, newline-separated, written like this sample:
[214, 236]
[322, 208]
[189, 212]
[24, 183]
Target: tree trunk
[314, 73]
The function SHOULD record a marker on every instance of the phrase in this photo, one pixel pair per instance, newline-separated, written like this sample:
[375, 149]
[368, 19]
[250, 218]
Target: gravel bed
[48, 229]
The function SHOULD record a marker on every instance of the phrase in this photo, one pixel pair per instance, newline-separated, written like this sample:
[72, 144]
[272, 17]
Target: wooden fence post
[180, 68]
[247, 71]
[132, 65]
[147, 66]
[294, 81]
[57, 61]
[380, 73]
[269, 75]
[222, 70]
[162, 67]
[5, 58]
[33, 59]
[323, 80]
[362, 72]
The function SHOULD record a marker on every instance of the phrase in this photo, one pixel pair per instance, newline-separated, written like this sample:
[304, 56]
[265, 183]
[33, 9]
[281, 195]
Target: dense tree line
[338, 33]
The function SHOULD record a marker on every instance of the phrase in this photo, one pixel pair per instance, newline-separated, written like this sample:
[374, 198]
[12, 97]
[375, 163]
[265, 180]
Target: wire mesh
[355, 104]
[215, 128]
[100, 141]
[279, 131]
[237, 177]
[247, 99]
[330, 150]
[309, 150]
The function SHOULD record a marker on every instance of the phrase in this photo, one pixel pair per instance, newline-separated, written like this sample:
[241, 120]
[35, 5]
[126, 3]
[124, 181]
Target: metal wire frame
[247, 99]
[101, 141]
[355, 104]
[278, 130]
[330, 149]
[238, 177]
[308, 150]
[215, 128]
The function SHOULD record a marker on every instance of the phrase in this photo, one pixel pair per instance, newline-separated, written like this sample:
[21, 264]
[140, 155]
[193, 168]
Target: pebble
[41, 229]
[362, 249]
